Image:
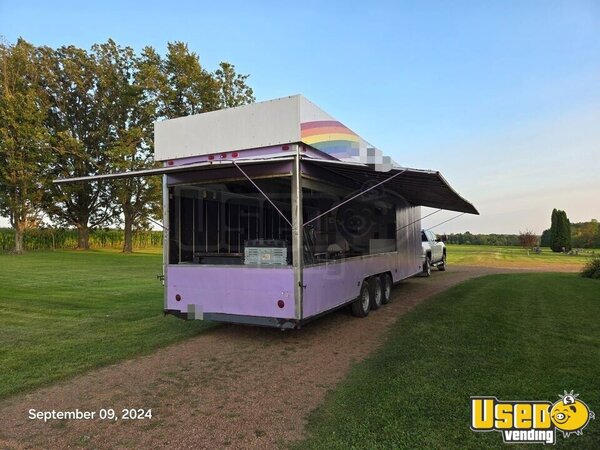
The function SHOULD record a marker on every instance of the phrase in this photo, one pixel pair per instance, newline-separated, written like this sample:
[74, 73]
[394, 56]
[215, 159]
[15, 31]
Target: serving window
[213, 223]
[232, 223]
[340, 226]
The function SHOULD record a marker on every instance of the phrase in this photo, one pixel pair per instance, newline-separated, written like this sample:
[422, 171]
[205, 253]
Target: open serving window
[242, 222]
[231, 223]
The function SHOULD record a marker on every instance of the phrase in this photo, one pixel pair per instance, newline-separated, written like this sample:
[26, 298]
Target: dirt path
[234, 386]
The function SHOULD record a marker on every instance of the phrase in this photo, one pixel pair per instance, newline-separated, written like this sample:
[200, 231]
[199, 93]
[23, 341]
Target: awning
[418, 187]
[206, 165]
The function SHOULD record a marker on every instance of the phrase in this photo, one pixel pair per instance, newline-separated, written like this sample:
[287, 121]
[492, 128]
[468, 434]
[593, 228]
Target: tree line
[585, 234]
[483, 239]
[561, 236]
[69, 112]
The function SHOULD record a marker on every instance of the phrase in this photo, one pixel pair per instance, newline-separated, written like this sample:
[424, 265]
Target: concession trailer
[275, 213]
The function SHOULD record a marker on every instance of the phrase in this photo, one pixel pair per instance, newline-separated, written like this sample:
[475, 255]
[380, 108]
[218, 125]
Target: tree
[527, 239]
[565, 231]
[545, 239]
[23, 155]
[130, 109]
[554, 219]
[584, 234]
[188, 88]
[138, 197]
[78, 129]
[233, 90]
[560, 231]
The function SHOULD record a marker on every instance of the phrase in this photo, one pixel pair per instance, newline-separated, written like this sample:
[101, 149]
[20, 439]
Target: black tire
[386, 288]
[376, 292]
[442, 266]
[362, 305]
[427, 267]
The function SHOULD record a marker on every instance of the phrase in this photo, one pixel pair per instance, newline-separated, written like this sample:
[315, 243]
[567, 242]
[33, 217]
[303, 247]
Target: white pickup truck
[434, 252]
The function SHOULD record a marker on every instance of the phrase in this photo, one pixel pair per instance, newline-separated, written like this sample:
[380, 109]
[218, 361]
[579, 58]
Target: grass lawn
[66, 312]
[517, 336]
[496, 256]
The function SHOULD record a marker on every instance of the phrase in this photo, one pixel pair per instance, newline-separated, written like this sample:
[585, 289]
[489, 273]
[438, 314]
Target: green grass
[487, 255]
[521, 336]
[66, 312]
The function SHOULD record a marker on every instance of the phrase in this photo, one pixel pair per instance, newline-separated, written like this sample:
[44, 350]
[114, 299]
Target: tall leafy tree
[23, 154]
[233, 90]
[78, 128]
[554, 230]
[189, 88]
[127, 83]
[560, 231]
[565, 231]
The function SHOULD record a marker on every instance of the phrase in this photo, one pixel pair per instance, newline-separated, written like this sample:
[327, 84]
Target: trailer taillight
[234, 154]
[178, 297]
[285, 147]
[280, 303]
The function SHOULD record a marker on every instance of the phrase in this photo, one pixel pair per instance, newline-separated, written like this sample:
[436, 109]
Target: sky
[502, 97]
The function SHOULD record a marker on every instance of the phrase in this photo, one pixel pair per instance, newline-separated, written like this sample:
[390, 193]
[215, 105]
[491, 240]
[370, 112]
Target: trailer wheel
[386, 288]
[376, 292]
[442, 266]
[426, 267]
[362, 305]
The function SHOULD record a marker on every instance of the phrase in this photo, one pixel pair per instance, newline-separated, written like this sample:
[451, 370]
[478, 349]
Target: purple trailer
[275, 213]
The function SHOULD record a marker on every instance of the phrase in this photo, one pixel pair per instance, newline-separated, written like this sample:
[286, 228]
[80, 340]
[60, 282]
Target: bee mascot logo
[530, 421]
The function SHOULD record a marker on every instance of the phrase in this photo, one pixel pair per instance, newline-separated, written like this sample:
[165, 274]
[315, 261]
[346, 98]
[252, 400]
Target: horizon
[502, 98]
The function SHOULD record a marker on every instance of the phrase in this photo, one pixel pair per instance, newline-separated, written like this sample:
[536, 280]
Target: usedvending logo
[528, 422]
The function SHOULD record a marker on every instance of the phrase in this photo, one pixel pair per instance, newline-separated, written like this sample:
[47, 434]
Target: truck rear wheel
[376, 292]
[442, 266]
[362, 305]
[386, 288]
[426, 267]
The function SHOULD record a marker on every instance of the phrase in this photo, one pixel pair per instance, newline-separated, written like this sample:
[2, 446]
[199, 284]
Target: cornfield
[60, 238]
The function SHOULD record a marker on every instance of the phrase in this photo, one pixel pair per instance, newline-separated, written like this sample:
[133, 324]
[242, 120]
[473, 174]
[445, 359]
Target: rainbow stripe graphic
[331, 137]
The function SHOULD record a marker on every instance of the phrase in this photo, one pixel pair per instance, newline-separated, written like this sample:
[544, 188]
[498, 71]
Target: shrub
[592, 269]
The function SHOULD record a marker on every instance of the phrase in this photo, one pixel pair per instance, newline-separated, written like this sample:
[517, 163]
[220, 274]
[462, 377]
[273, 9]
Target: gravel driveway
[231, 386]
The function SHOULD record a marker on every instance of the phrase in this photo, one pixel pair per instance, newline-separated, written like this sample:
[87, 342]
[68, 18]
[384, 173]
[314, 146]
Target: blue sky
[502, 97]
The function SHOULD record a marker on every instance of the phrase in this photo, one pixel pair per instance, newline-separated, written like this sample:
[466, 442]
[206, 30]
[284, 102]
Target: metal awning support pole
[263, 194]
[166, 237]
[355, 196]
[452, 218]
[157, 223]
[297, 233]
[420, 218]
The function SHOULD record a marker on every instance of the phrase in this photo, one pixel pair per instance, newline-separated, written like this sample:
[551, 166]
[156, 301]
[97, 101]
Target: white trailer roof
[275, 122]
